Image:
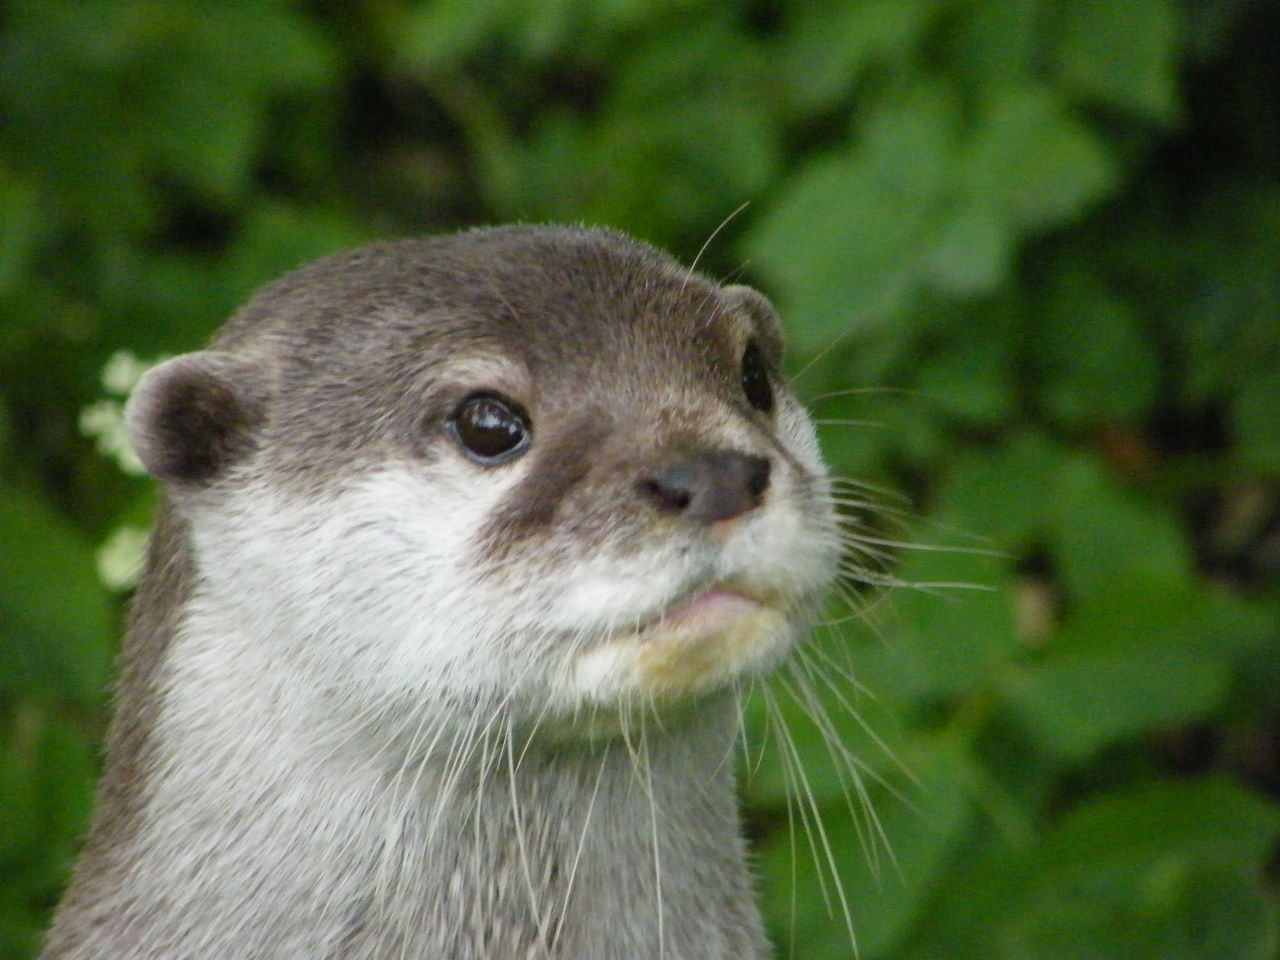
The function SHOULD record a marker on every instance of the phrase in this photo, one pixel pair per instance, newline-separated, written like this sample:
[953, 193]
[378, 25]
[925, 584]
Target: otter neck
[487, 846]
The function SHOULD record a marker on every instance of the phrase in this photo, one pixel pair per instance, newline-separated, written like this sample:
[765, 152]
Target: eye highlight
[755, 379]
[490, 429]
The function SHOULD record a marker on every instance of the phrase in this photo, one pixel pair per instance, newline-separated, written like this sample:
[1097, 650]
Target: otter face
[532, 472]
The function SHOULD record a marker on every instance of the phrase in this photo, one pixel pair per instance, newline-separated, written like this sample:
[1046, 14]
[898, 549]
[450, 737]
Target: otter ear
[755, 305]
[192, 417]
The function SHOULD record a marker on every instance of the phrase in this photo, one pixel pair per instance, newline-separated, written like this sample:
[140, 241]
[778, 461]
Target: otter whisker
[693, 266]
[522, 841]
[849, 770]
[581, 845]
[814, 827]
[809, 401]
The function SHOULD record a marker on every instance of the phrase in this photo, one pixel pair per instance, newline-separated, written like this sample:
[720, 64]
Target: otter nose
[707, 485]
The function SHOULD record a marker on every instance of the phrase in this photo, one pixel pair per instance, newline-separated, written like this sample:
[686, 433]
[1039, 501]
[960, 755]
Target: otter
[468, 548]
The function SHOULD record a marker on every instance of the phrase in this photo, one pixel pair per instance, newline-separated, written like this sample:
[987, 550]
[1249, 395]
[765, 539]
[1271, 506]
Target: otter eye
[755, 379]
[490, 429]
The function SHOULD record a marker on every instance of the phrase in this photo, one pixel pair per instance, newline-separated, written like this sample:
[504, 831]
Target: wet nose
[707, 485]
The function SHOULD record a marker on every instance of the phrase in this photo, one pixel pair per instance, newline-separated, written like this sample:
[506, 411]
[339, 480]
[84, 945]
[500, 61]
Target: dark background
[1029, 257]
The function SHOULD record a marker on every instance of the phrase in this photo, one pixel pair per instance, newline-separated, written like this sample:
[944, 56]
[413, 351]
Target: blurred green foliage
[1029, 254]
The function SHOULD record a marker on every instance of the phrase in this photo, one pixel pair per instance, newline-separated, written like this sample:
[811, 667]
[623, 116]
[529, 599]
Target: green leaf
[1096, 362]
[1255, 417]
[1031, 161]
[842, 244]
[1104, 537]
[210, 97]
[999, 43]
[210, 144]
[990, 882]
[948, 630]
[55, 625]
[1210, 822]
[829, 46]
[20, 218]
[46, 781]
[1136, 658]
[546, 25]
[278, 238]
[972, 253]
[999, 493]
[1075, 704]
[1122, 53]
[648, 173]
[885, 897]
[19, 797]
[435, 35]
[1204, 913]
[176, 299]
[1162, 871]
[679, 138]
[972, 379]
[56, 94]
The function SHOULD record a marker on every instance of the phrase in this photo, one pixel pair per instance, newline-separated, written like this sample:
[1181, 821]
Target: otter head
[527, 472]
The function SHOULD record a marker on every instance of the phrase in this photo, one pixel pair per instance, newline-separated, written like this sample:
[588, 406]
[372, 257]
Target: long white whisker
[825, 842]
[796, 774]
[522, 840]
[857, 392]
[693, 267]
[582, 843]
[835, 342]
[850, 771]
[849, 422]
[771, 717]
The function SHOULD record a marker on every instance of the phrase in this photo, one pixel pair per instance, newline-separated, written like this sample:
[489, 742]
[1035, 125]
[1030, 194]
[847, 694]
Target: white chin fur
[365, 592]
[672, 663]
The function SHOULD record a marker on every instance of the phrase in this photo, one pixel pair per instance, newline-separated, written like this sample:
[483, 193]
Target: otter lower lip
[716, 603]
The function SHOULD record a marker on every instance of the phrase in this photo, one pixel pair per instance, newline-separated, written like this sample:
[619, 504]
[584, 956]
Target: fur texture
[380, 700]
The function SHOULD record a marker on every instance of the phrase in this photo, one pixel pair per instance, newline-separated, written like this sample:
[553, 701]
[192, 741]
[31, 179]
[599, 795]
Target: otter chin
[702, 645]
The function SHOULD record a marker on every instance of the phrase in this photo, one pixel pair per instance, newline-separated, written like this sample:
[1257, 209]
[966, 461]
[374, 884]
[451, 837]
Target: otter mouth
[704, 607]
[702, 642]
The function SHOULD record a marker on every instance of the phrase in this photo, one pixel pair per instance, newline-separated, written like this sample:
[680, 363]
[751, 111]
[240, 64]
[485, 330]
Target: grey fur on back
[342, 727]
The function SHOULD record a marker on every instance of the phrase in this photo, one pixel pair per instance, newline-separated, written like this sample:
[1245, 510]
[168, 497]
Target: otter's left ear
[193, 417]
[756, 306]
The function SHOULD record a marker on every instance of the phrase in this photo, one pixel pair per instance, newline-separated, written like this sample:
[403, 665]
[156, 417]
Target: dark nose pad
[707, 485]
